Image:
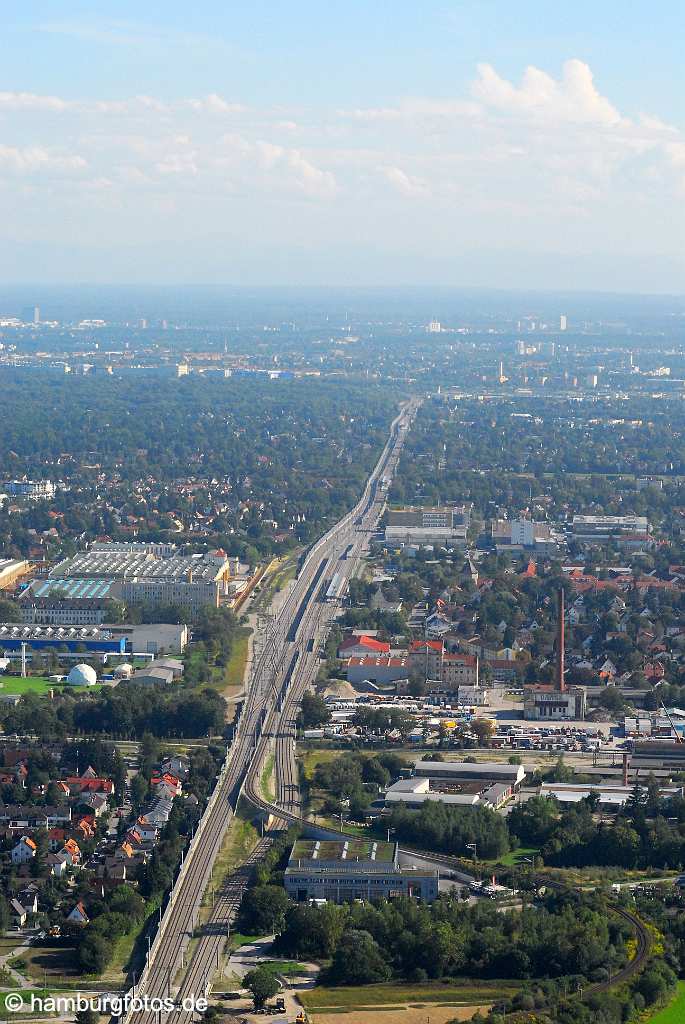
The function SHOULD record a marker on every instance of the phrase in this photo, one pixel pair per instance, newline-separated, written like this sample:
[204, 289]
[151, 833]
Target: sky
[487, 143]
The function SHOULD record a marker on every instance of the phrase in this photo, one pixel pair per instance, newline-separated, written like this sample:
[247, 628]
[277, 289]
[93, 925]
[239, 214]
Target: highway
[285, 666]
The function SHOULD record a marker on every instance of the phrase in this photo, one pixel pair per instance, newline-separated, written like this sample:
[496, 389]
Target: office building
[626, 531]
[428, 525]
[525, 534]
[33, 490]
[350, 869]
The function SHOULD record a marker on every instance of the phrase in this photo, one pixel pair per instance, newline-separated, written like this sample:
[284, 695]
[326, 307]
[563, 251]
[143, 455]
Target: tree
[263, 909]
[313, 711]
[484, 729]
[5, 918]
[139, 790]
[9, 611]
[262, 984]
[93, 953]
[358, 961]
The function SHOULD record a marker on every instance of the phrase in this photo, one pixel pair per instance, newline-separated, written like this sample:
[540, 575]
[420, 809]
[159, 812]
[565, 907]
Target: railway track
[268, 717]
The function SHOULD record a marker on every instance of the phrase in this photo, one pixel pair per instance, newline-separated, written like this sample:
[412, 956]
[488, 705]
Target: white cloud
[215, 104]
[412, 188]
[28, 159]
[20, 101]
[574, 97]
[414, 108]
[534, 157]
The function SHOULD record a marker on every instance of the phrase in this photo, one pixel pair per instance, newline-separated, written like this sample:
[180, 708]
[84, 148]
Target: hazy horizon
[464, 145]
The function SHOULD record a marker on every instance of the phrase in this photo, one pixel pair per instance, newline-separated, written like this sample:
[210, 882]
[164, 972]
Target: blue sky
[518, 144]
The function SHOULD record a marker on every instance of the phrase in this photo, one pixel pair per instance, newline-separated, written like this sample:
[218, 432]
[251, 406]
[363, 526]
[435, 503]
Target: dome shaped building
[82, 675]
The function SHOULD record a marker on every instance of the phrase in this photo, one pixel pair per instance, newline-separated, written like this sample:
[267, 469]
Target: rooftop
[349, 850]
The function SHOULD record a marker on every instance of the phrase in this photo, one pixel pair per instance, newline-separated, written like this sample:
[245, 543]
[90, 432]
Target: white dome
[124, 669]
[82, 675]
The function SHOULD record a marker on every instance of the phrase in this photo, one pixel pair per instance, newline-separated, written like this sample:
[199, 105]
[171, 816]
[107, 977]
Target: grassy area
[276, 577]
[518, 856]
[267, 779]
[239, 842]
[324, 999]
[674, 1013]
[288, 968]
[38, 684]
[235, 670]
[237, 939]
[24, 1011]
[125, 951]
[51, 961]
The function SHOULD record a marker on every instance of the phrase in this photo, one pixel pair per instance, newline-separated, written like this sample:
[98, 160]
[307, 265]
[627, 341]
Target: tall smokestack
[625, 769]
[560, 640]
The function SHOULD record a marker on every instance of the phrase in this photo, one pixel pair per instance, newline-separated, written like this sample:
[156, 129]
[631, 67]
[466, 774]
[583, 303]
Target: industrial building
[377, 670]
[416, 791]
[428, 525]
[12, 569]
[60, 639]
[548, 703]
[152, 638]
[610, 796]
[555, 702]
[623, 530]
[134, 574]
[67, 602]
[480, 771]
[346, 870]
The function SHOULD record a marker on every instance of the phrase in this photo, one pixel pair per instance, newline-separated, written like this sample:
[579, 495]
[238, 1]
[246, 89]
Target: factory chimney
[560, 640]
[625, 769]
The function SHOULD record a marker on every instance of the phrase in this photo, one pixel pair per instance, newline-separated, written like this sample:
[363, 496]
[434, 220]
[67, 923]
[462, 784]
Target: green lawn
[517, 856]
[288, 968]
[38, 684]
[674, 1013]
[26, 994]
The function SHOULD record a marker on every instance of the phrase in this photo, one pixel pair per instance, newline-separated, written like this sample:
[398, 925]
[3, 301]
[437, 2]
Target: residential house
[19, 913]
[24, 851]
[78, 914]
[70, 853]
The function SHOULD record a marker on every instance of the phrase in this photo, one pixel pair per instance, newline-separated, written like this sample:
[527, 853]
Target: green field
[517, 856]
[674, 1013]
[38, 684]
[26, 994]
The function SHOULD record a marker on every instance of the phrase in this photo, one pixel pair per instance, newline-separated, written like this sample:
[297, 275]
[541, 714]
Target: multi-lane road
[286, 664]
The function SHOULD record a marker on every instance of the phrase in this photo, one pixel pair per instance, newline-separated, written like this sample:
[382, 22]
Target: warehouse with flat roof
[349, 869]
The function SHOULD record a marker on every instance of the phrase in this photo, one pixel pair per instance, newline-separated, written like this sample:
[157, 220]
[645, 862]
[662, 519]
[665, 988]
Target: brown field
[438, 1014]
